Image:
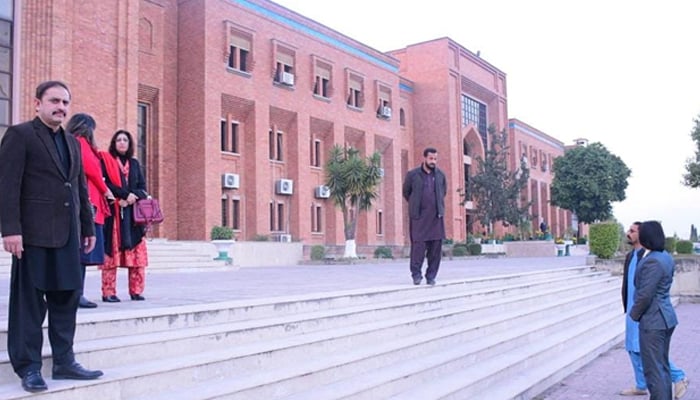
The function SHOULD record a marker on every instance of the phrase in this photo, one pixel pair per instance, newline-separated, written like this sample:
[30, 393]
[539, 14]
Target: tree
[496, 190]
[692, 167]
[693, 233]
[587, 180]
[353, 182]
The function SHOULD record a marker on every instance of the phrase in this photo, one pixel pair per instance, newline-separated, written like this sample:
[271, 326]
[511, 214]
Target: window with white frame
[316, 218]
[240, 52]
[276, 144]
[316, 153]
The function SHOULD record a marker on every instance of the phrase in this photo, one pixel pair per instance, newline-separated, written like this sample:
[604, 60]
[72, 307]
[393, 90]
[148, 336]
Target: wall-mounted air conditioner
[385, 112]
[381, 172]
[230, 181]
[287, 78]
[285, 238]
[322, 192]
[284, 186]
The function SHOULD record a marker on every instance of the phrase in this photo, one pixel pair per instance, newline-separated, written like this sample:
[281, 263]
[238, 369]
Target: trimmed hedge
[460, 250]
[670, 244]
[318, 252]
[383, 252]
[684, 247]
[604, 239]
[474, 249]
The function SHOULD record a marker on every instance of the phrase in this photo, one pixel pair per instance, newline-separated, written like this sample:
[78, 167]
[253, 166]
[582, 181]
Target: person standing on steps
[45, 218]
[425, 188]
[82, 126]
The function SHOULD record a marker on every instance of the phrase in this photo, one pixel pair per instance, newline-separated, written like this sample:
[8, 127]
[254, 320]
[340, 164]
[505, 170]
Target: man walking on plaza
[678, 377]
[425, 189]
[44, 215]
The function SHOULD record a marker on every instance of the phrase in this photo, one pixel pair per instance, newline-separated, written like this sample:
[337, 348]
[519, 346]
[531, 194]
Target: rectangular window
[383, 101]
[316, 153]
[229, 139]
[142, 136]
[322, 78]
[224, 211]
[236, 214]
[276, 145]
[223, 134]
[355, 91]
[239, 50]
[380, 222]
[284, 63]
[280, 217]
[475, 112]
[280, 148]
[272, 217]
[6, 56]
[316, 215]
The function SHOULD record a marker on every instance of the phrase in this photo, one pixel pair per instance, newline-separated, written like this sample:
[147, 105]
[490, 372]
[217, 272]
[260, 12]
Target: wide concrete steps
[354, 344]
[163, 256]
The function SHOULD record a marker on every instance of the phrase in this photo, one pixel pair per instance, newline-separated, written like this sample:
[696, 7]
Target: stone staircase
[499, 337]
[163, 256]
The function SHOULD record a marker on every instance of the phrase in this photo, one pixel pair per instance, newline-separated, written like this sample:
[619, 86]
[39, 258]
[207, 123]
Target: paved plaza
[602, 379]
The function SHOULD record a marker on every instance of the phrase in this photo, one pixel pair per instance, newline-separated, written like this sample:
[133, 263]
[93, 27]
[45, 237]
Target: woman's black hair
[83, 125]
[113, 144]
[651, 236]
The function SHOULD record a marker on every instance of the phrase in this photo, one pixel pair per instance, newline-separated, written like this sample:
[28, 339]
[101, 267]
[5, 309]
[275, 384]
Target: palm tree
[353, 182]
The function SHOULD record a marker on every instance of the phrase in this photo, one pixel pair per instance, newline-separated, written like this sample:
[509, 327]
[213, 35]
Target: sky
[623, 73]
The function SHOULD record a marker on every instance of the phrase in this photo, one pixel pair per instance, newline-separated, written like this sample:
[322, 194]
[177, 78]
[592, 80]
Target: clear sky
[621, 72]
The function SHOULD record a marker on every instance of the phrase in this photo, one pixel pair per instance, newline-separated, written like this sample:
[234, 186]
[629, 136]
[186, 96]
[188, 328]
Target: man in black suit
[44, 215]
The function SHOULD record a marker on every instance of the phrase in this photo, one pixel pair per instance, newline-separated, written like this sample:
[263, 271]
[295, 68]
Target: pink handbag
[147, 212]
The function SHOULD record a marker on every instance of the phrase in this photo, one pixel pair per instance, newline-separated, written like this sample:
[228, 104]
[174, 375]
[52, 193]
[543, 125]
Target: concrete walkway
[602, 379]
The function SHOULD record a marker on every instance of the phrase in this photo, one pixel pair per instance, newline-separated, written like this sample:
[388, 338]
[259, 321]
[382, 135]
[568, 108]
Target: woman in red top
[82, 126]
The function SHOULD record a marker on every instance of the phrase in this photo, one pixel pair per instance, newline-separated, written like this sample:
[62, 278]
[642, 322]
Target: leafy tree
[353, 182]
[587, 180]
[692, 166]
[495, 189]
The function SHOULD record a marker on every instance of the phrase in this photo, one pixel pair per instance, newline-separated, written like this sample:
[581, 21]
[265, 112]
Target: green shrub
[581, 240]
[474, 249]
[383, 252]
[604, 239]
[261, 238]
[318, 252]
[460, 250]
[221, 233]
[670, 244]
[684, 247]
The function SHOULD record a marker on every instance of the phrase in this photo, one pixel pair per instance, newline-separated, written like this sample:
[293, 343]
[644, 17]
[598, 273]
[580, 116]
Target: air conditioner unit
[386, 112]
[284, 186]
[322, 192]
[230, 181]
[381, 172]
[287, 78]
[286, 238]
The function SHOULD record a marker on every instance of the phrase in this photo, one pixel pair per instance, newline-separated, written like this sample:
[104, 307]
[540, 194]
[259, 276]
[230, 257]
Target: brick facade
[282, 88]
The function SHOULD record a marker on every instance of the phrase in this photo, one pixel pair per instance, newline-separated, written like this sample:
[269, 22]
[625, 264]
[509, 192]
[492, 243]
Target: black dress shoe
[33, 382]
[110, 299]
[431, 282]
[416, 281]
[74, 371]
[85, 303]
[137, 297]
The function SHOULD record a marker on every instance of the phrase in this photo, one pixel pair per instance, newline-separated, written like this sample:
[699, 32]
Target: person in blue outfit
[678, 376]
[653, 310]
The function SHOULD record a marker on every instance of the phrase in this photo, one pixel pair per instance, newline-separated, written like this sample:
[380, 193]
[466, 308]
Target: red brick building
[236, 103]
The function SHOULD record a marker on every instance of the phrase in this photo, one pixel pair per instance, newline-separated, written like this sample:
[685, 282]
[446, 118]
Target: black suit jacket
[413, 191]
[38, 198]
